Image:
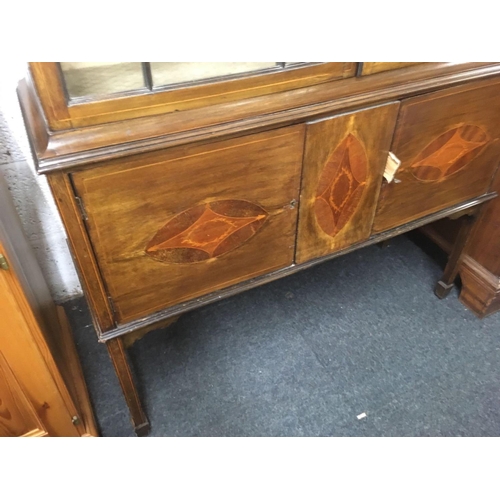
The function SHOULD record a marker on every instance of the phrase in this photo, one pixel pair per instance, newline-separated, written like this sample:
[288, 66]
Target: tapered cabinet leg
[118, 356]
[446, 283]
[443, 289]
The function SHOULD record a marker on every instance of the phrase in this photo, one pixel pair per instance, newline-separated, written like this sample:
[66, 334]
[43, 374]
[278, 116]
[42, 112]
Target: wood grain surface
[81, 250]
[449, 146]
[61, 115]
[370, 68]
[17, 415]
[170, 226]
[57, 150]
[344, 161]
[35, 339]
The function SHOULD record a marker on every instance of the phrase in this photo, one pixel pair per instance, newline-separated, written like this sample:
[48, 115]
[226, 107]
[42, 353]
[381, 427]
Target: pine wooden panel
[29, 357]
[17, 415]
[35, 340]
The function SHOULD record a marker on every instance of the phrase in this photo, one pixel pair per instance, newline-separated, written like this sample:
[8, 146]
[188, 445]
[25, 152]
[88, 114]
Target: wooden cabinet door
[173, 225]
[17, 416]
[30, 391]
[344, 162]
[448, 144]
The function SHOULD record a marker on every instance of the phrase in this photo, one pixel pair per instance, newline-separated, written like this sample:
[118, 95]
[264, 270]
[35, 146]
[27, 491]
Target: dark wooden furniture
[179, 196]
[480, 267]
[42, 390]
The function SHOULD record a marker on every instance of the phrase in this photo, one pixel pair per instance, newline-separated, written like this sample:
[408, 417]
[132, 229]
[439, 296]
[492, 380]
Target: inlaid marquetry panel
[449, 153]
[343, 165]
[206, 231]
[341, 185]
[173, 225]
[448, 144]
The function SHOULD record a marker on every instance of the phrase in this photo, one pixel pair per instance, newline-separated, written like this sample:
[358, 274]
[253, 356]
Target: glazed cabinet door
[448, 144]
[170, 226]
[344, 161]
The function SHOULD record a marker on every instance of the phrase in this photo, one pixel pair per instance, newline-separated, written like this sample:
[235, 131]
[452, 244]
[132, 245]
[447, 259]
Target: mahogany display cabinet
[180, 184]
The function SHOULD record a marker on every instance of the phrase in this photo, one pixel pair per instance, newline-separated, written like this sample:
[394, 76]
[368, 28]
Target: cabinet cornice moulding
[58, 150]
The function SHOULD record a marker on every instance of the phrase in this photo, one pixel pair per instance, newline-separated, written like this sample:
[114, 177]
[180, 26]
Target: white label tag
[391, 167]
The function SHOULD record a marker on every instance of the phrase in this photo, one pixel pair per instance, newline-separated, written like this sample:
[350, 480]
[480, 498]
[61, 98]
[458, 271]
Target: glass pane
[101, 78]
[169, 73]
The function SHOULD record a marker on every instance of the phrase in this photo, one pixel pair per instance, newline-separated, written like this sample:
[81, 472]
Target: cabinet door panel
[448, 144]
[17, 415]
[344, 162]
[170, 226]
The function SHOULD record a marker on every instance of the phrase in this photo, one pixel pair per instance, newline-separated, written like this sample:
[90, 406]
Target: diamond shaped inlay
[449, 153]
[206, 231]
[341, 185]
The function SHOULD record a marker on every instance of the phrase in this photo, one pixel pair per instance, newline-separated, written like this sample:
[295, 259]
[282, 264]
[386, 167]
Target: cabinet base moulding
[480, 288]
[480, 291]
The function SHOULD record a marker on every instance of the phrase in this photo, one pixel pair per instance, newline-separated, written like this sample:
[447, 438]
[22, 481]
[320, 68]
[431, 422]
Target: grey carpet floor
[304, 356]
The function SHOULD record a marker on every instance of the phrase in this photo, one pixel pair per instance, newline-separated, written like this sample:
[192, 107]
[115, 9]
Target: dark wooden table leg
[447, 281]
[118, 356]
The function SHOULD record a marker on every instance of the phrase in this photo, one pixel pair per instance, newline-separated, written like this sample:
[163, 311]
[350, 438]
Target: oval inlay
[449, 153]
[206, 231]
[341, 185]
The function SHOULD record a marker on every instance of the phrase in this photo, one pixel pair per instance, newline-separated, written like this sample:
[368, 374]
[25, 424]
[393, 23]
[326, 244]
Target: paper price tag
[391, 167]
